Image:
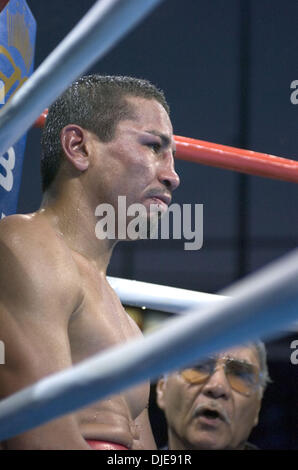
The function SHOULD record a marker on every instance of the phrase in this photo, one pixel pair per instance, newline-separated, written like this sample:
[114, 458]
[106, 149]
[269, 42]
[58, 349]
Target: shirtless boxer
[106, 137]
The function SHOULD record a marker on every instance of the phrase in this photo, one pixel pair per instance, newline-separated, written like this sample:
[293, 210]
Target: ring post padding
[17, 45]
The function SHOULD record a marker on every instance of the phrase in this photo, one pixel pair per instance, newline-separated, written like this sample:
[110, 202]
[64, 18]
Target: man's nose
[217, 386]
[167, 175]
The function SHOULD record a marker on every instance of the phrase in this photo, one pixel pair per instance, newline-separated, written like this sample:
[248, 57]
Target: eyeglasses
[242, 376]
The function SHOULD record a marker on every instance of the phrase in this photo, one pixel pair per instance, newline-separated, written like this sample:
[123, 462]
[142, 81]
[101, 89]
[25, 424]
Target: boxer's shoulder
[38, 260]
[31, 234]
[19, 229]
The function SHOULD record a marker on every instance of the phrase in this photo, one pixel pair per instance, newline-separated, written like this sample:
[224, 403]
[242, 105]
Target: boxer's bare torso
[38, 342]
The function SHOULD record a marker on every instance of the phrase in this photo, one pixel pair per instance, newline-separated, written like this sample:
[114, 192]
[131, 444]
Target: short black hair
[96, 103]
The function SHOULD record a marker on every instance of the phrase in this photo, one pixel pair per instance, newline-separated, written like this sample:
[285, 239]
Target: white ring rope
[165, 298]
[157, 297]
[103, 25]
[260, 305]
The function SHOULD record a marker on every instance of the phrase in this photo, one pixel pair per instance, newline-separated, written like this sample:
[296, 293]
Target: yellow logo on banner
[18, 37]
[16, 76]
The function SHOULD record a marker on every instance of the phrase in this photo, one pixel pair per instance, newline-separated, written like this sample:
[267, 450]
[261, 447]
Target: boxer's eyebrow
[166, 141]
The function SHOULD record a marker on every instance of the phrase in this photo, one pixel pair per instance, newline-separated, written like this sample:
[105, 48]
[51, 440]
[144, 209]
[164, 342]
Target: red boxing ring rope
[228, 158]
[231, 158]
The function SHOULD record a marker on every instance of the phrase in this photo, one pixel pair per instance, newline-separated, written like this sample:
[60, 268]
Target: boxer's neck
[72, 215]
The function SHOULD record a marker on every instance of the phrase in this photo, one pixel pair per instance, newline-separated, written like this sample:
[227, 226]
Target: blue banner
[17, 45]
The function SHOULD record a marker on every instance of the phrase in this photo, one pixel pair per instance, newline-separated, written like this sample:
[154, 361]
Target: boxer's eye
[155, 146]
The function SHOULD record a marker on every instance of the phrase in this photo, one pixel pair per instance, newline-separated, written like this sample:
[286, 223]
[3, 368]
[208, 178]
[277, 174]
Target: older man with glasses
[215, 404]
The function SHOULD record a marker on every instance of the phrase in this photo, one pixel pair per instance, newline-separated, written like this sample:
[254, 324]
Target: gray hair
[262, 356]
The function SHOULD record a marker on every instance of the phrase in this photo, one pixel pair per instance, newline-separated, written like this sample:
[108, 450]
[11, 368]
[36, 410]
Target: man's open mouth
[211, 414]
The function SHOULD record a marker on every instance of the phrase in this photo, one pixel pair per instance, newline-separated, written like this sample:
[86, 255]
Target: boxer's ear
[73, 141]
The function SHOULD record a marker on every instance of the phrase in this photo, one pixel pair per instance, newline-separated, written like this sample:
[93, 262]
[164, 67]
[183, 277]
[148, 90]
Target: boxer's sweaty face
[210, 415]
[138, 163]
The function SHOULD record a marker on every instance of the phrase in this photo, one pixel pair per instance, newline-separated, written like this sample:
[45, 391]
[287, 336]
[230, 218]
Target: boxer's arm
[36, 302]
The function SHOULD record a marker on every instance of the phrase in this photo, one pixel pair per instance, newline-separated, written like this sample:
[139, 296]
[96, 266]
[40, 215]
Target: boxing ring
[261, 305]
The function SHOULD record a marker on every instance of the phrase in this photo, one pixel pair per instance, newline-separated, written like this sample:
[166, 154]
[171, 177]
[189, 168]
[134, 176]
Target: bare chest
[102, 323]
